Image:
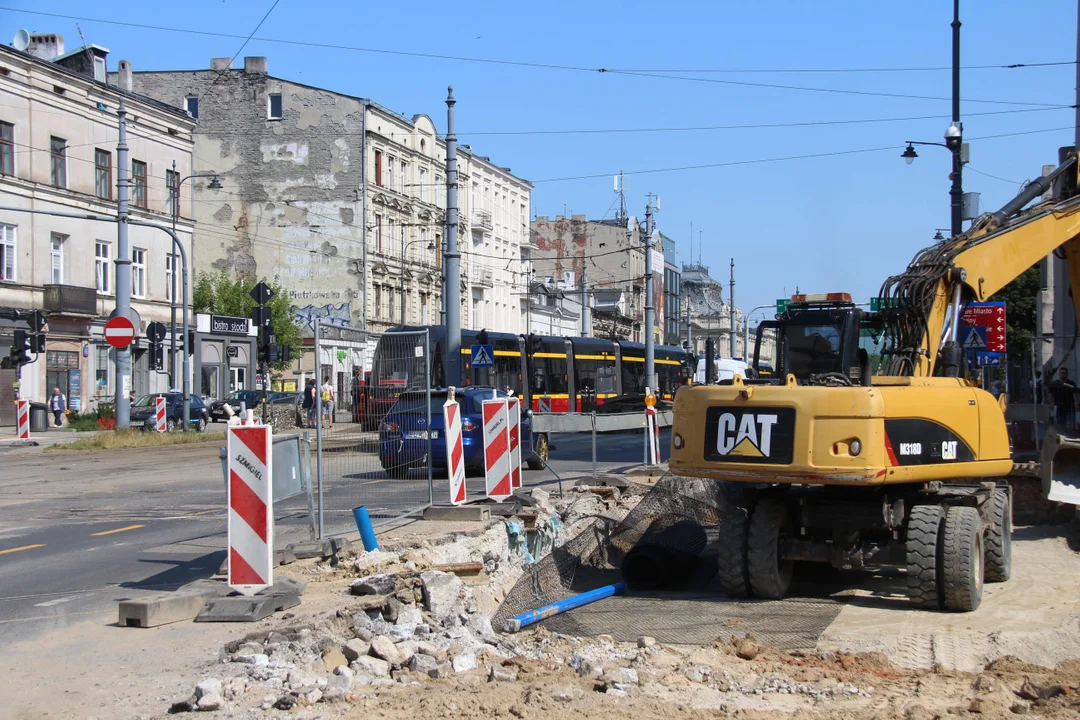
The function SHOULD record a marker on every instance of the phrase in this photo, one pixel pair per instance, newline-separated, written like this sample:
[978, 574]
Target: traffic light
[284, 353]
[157, 356]
[37, 321]
[20, 348]
[38, 343]
[267, 348]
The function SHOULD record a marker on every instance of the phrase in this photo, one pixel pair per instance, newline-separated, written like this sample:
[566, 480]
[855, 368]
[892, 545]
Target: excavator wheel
[962, 559]
[999, 539]
[770, 575]
[731, 561]
[923, 534]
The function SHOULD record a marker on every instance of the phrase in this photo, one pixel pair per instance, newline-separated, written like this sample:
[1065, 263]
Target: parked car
[251, 399]
[403, 435]
[143, 412]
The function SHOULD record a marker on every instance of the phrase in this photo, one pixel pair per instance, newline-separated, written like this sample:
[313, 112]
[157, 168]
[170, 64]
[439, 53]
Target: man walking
[328, 401]
[1063, 394]
[58, 405]
[309, 402]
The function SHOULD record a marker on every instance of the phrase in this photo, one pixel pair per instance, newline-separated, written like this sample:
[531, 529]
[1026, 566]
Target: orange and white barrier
[496, 450]
[513, 411]
[455, 453]
[159, 414]
[652, 429]
[22, 423]
[251, 518]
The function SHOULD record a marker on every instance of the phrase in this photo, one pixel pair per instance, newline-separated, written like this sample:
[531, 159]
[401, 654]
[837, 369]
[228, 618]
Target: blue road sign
[974, 338]
[484, 356]
[984, 359]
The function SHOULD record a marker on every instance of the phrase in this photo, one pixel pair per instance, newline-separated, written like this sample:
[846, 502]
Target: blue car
[403, 433]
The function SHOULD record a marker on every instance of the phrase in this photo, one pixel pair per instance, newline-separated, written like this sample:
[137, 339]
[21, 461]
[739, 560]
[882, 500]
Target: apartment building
[58, 138]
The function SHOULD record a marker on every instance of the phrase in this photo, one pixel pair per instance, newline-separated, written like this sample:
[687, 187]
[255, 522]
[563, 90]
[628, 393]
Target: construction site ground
[869, 655]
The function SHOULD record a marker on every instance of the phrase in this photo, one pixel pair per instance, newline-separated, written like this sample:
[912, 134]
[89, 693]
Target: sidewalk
[54, 436]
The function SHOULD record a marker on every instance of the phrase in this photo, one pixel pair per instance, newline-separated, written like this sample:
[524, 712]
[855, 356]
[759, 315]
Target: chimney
[46, 47]
[255, 65]
[220, 63]
[123, 76]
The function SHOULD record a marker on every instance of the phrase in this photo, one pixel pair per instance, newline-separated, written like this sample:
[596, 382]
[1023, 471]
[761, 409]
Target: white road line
[57, 601]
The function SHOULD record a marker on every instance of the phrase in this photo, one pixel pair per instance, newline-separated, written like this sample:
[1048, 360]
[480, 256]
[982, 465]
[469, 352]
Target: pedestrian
[328, 402]
[1063, 396]
[58, 404]
[309, 402]
[356, 394]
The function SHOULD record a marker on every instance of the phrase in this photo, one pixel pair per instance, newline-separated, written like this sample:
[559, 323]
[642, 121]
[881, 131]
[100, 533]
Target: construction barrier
[250, 499]
[652, 429]
[159, 414]
[455, 453]
[513, 411]
[22, 422]
[496, 450]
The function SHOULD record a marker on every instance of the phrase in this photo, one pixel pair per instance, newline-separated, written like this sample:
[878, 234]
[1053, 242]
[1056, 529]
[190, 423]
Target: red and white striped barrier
[652, 430]
[22, 414]
[496, 450]
[455, 453]
[251, 517]
[159, 414]
[513, 409]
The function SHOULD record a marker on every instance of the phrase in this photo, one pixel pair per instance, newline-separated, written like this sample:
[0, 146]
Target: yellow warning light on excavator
[821, 298]
[650, 400]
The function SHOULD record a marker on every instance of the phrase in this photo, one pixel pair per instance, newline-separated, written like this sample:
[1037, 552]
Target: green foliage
[222, 295]
[89, 421]
[1019, 296]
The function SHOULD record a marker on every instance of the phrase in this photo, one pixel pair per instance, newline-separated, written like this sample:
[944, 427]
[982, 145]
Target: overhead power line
[516, 63]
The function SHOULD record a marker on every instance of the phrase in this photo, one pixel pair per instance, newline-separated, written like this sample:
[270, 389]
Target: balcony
[70, 300]
[483, 276]
[482, 219]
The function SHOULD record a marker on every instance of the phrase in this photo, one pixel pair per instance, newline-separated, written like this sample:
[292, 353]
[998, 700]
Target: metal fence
[374, 437]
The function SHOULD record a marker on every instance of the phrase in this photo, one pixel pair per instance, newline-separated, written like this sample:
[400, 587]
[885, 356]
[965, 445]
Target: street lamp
[215, 184]
[404, 247]
[746, 330]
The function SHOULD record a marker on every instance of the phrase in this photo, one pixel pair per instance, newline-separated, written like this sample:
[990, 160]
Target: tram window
[507, 373]
[549, 376]
[633, 377]
[605, 378]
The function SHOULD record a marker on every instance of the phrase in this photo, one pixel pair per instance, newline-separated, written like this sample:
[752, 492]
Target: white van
[726, 369]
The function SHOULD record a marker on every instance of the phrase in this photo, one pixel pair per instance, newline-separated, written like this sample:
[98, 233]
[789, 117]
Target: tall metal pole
[452, 295]
[584, 299]
[650, 309]
[123, 274]
[734, 337]
[363, 218]
[401, 313]
[172, 296]
[956, 191]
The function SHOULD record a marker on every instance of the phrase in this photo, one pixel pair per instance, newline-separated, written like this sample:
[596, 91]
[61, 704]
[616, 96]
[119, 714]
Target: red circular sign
[119, 332]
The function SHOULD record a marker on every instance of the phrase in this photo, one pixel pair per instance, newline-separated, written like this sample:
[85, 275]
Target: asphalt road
[81, 531]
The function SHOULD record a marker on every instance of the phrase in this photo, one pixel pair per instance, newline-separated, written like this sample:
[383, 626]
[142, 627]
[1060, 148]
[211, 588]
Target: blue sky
[843, 222]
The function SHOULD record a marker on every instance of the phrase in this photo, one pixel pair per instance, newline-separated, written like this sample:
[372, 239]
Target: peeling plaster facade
[345, 228]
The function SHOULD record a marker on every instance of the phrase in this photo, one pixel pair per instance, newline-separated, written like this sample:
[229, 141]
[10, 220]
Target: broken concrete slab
[164, 608]
[284, 556]
[614, 481]
[458, 513]
[313, 549]
[283, 594]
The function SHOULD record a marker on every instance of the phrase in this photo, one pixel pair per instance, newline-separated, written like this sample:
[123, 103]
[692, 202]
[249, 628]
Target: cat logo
[749, 436]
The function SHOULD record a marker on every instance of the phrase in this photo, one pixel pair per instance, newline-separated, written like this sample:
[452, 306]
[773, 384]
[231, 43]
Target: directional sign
[155, 332]
[119, 332]
[974, 338]
[984, 359]
[781, 305]
[991, 316]
[261, 293]
[483, 356]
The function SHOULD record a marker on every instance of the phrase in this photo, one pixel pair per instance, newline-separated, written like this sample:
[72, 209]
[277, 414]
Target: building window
[7, 149]
[392, 314]
[390, 163]
[138, 272]
[274, 106]
[438, 251]
[56, 258]
[389, 232]
[378, 233]
[7, 253]
[404, 181]
[138, 176]
[191, 104]
[423, 185]
[103, 174]
[102, 268]
[440, 189]
[101, 371]
[423, 241]
[378, 167]
[378, 301]
[99, 69]
[58, 162]
[172, 199]
[172, 262]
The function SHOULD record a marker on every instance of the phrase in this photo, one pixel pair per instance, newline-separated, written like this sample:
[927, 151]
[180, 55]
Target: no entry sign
[119, 332]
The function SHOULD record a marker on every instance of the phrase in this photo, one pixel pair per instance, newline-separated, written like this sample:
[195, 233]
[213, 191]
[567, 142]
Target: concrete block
[163, 609]
[458, 513]
[315, 549]
[285, 556]
[604, 481]
[237, 608]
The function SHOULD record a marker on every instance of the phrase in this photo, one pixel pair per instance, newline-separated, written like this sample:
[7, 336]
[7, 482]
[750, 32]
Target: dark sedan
[143, 412]
[251, 399]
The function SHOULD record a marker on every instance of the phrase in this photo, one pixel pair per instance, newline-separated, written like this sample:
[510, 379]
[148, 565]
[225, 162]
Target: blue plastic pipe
[363, 524]
[515, 624]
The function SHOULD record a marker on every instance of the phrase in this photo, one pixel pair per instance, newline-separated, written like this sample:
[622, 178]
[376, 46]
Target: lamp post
[954, 134]
[746, 331]
[404, 247]
[215, 184]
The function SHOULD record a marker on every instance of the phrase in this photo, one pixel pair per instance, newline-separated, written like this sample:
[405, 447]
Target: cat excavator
[868, 445]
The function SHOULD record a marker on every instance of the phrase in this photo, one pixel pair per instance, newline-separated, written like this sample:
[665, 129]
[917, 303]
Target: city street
[81, 531]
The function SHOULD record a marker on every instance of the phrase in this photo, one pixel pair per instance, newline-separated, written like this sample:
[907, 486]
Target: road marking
[372, 482]
[24, 547]
[57, 601]
[117, 530]
[57, 617]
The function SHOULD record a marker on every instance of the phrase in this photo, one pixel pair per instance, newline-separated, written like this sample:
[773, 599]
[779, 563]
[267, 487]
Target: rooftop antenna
[699, 247]
[621, 217]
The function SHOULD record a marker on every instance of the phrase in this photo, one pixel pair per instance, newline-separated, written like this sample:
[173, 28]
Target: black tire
[201, 425]
[923, 540]
[962, 559]
[731, 561]
[999, 539]
[537, 460]
[770, 576]
[170, 425]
